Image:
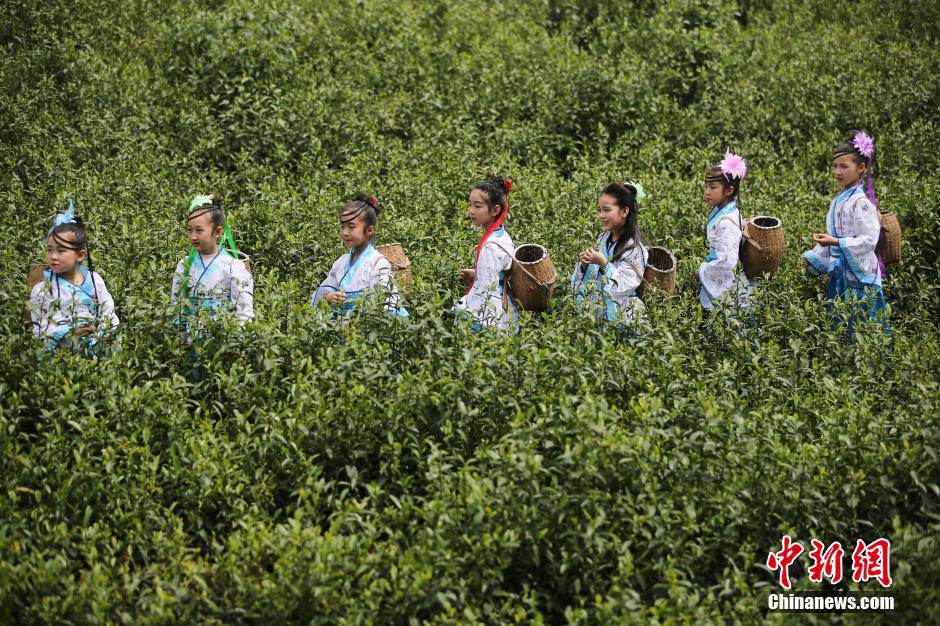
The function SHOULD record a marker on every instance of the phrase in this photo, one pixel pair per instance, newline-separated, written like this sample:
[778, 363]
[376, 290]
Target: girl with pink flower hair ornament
[719, 280]
[846, 251]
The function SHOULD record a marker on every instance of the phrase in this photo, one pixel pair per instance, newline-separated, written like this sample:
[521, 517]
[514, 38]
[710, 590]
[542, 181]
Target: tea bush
[410, 471]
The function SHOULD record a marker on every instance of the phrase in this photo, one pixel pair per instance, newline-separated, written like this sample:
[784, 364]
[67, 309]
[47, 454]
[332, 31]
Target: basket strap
[743, 232]
[637, 270]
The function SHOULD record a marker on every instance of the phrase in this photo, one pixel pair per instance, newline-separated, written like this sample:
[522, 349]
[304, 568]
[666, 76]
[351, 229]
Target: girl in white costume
[487, 304]
[363, 269]
[848, 251]
[719, 281]
[607, 276]
[71, 306]
[212, 278]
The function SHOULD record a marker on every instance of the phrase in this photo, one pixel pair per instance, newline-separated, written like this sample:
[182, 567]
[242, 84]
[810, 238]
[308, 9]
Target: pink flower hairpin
[733, 166]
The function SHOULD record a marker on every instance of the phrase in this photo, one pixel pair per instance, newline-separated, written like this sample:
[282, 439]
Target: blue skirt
[865, 304]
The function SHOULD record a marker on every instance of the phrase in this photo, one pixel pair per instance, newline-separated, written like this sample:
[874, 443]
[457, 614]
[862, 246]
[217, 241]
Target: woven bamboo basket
[33, 276]
[660, 269]
[889, 241]
[400, 265]
[764, 244]
[532, 277]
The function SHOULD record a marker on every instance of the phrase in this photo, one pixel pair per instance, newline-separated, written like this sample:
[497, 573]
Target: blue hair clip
[64, 218]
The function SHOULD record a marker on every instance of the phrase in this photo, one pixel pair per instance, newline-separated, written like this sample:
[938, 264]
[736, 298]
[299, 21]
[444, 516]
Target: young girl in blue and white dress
[608, 275]
[487, 304]
[846, 251]
[363, 269]
[71, 306]
[720, 283]
[211, 278]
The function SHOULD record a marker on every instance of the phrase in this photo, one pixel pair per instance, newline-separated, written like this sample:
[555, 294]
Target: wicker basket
[532, 277]
[660, 270]
[763, 244]
[33, 276]
[400, 265]
[889, 241]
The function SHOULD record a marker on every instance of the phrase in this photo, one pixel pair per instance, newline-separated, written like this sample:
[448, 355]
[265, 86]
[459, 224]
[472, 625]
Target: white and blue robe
[217, 282]
[852, 265]
[612, 294]
[357, 279]
[57, 307]
[719, 280]
[482, 305]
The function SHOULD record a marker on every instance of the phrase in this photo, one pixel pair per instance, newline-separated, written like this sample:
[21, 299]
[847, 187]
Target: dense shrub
[412, 471]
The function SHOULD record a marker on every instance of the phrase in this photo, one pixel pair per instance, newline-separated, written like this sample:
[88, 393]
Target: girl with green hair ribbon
[211, 277]
[608, 275]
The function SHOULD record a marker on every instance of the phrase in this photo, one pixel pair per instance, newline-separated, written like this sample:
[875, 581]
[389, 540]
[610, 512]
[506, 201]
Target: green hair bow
[640, 194]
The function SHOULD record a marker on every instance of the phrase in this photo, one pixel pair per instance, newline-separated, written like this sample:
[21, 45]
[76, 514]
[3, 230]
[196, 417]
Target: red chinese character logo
[782, 560]
[826, 562]
[872, 561]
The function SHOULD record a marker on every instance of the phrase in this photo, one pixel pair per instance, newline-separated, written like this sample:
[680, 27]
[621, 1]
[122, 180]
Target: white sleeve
[866, 228]
[623, 277]
[817, 260]
[330, 284]
[727, 241]
[242, 287]
[40, 310]
[492, 261]
[105, 303]
[177, 282]
[384, 277]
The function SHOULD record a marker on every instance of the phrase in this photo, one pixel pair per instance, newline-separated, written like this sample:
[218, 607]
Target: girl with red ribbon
[487, 304]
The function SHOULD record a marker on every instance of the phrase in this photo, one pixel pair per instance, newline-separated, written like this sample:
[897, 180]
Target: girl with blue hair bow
[71, 306]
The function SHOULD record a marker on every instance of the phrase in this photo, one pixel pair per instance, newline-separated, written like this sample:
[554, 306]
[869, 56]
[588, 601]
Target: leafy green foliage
[411, 471]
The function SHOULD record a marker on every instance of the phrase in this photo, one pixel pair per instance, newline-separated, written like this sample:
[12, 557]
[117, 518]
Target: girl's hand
[84, 331]
[335, 298]
[468, 275]
[593, 256]
[825, 239]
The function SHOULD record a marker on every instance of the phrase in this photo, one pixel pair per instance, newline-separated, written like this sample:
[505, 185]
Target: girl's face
[479, 209]
[354, 232]
[610, 214]
[846, 170]
[717, 194]
[62, 260]
[202, 234]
